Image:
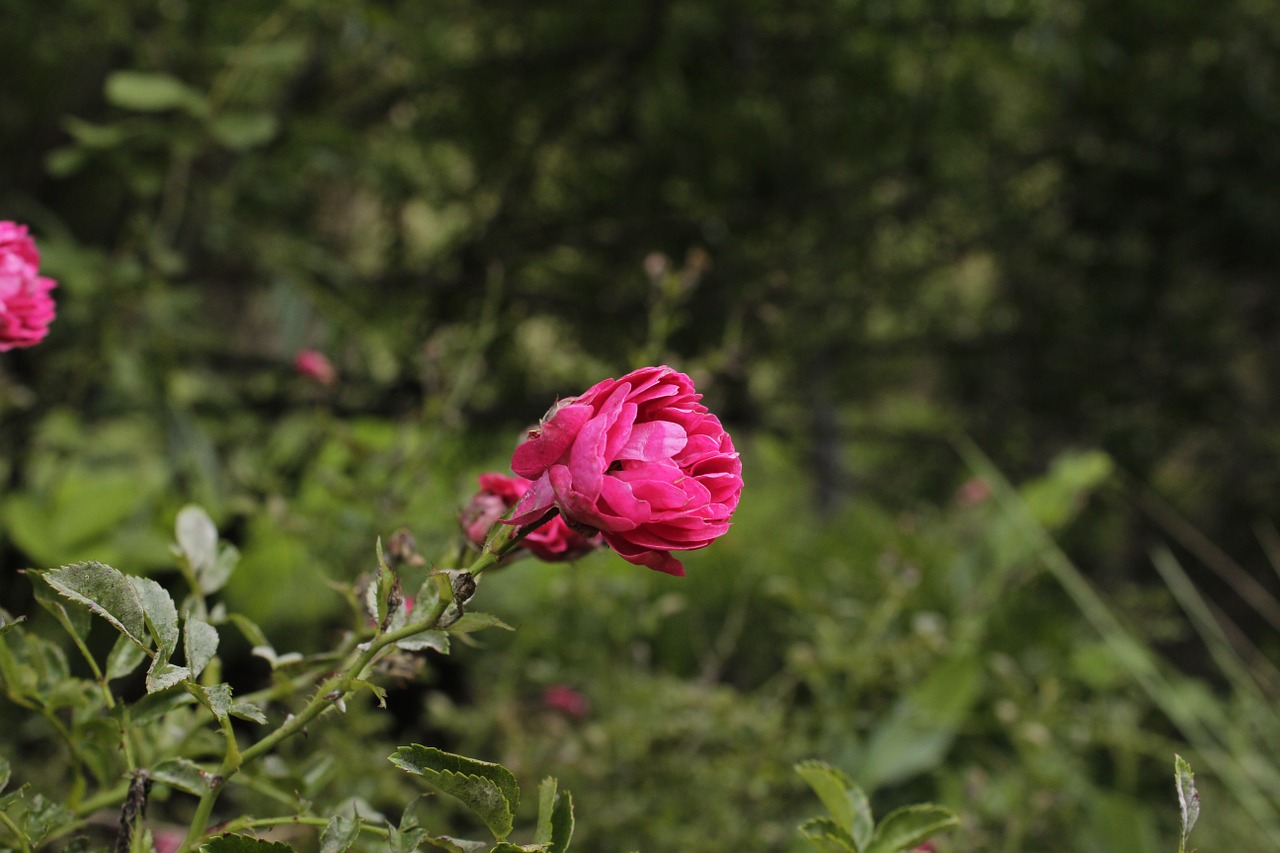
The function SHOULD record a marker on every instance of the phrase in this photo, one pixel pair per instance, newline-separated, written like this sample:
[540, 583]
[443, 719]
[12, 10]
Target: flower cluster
[26, 308]
[554, 541]
[639, 459]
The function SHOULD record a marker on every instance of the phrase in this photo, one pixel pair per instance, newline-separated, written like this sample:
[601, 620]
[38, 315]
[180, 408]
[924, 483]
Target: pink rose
[554, 541]
[315, 366]
[566, 700]
[26, 308]
[640, 460]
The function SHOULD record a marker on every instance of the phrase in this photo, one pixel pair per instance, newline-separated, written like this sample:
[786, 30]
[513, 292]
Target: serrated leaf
[43, 816]
[104, 591]
[472, 622]
[248, 711]
[1188, 798]
[75, 621]
[124, 658]
[508, 847]
[340, 834]
[911, 826]
[237, 843]
[433, 639]
[151, 92]
[197, 536]
[162, 676]
[200, 644]
[183, 774]
[489, 790]
[845, 801]
[160, 615]
[555, 817]
[216, 698]
[453, 845]
[828, 836]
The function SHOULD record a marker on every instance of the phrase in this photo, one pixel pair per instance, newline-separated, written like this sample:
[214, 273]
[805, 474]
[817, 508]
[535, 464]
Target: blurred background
[984, 290]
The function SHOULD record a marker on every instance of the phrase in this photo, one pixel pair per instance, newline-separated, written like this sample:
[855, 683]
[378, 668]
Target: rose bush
[554, 541]
[638, 458]
[26, 308]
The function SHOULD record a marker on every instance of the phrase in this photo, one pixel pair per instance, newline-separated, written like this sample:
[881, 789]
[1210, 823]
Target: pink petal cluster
[314, 365]
[638, 458]
[26, 308]
[554, 541]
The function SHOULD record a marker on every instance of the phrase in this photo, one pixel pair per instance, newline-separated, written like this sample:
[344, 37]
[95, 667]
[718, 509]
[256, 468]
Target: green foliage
[851, 827]
[487, 789]
[1188, 799]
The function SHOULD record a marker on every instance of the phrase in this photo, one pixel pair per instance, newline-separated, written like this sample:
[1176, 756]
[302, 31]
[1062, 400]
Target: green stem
[303, 820]
[23, 844]
[333, 690]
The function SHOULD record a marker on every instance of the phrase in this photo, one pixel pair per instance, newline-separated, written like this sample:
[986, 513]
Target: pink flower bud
[26, 308]
[640, 460]
[315, 366]
[553, 541]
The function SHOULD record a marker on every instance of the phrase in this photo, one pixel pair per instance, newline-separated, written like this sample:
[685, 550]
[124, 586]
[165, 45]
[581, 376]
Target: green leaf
[216, 576]
[162, 621]
[104, 591]
[8, 622]
[828, 836]
[845, 801]
[124, 658]
[153, 706]
[919, 730]
[248, 711]
[200, 644]
[74, 621]
[240, 131]
[183, 774]
[555, 817]
[1188, 798]
[340, 834]
[433, 639]
[489, 790]
[197, 537]
[472, 622]
[152, 92]
[216, 698]
[4, 773]
[94, 135]
[909, 827]
[236, 843]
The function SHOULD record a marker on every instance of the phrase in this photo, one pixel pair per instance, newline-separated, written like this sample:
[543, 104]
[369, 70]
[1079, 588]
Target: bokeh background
[985, 290]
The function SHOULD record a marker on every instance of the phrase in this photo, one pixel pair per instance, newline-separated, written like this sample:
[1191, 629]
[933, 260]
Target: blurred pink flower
[566, 700]
[554, 541]
[973, 491]
[640, 460]
[314, 365]
[26, 308]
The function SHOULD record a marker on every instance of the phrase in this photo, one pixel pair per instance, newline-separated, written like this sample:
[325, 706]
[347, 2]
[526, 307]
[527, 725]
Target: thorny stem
[333, 690]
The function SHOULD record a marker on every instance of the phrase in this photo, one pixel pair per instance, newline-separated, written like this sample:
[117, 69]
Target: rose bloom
[315, 366]
[640, 460]
[26, 308]
[554, 541]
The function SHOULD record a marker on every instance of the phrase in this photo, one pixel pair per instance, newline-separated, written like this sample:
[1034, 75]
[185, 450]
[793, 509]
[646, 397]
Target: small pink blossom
[640, 460]
[554, 541]
[26, 308]
[566, 700]
[314, 365]
[973, 491]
